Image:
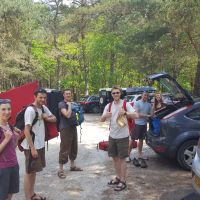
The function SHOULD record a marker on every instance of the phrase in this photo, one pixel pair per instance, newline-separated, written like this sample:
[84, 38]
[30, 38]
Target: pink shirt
[8, 157]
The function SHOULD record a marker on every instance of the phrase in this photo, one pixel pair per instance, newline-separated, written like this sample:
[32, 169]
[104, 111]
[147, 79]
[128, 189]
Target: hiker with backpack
[9, 168]
[69, 120]
[119, 135]
[35, 116]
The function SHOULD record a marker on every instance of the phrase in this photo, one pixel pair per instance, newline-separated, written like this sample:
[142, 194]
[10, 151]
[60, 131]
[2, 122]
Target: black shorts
[9, 181]
[139, 132]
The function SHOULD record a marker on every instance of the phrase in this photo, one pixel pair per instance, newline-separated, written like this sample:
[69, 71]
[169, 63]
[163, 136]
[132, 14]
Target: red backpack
[103, 145]
[131, 122]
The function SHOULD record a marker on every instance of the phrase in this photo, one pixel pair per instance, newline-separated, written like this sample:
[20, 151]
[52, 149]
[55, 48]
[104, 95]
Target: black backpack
[53, 99]
[20, 124]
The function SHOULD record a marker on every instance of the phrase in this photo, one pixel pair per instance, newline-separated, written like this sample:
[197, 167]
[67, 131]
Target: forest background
[90, 44]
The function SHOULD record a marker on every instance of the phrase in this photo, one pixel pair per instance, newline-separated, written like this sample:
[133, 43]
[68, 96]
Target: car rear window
[195, 114]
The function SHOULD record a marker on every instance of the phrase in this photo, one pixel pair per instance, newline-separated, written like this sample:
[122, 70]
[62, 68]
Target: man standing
[119, 136]
[143, 108]
[68, 134]
[34, 144]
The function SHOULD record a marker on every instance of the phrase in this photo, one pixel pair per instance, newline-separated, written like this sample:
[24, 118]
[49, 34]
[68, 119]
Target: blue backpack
[78, 111]
[156, 126]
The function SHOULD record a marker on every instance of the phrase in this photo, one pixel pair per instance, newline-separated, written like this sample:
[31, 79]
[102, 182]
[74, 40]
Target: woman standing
[158, 102]
[9, 168]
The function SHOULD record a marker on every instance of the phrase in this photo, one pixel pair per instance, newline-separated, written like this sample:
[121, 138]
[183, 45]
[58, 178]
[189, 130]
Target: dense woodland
[88, 44]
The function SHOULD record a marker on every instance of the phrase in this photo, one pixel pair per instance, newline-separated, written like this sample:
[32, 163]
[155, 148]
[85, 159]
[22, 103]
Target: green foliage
[95, 44]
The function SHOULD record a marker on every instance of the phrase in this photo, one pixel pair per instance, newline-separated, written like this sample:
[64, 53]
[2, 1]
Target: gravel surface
[162, 180]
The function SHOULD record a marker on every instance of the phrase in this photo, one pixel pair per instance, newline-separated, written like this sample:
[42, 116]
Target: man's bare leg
[117, 167]
[123, 169]
[29, 183]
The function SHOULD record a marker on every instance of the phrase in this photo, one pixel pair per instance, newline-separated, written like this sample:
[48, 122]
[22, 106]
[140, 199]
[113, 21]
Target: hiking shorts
[9, 181]
[139, 132]
[68, 144]
[118, 147]
[34, 164]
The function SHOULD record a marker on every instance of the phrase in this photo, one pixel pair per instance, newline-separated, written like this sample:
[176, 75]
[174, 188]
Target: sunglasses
[116, 93]
[5, 101]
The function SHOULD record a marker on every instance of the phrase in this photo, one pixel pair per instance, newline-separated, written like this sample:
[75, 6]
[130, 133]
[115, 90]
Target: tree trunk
[196, 90]
[112, 64]
[84, 60]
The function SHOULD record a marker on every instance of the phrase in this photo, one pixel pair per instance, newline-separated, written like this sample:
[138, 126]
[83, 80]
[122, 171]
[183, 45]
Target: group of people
[119, 142]
[35, 117]
[34, 142]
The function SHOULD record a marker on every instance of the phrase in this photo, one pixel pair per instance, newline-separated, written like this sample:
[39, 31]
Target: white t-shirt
[115, 131]
[38, 128]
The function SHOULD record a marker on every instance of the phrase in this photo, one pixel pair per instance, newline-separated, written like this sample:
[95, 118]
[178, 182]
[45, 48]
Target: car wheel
[96, 109]
[186, 154]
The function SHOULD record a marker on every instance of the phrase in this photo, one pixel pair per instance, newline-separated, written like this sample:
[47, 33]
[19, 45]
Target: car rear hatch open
[179, 97]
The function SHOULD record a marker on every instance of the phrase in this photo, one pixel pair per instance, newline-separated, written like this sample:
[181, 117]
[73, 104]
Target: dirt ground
[162, 180]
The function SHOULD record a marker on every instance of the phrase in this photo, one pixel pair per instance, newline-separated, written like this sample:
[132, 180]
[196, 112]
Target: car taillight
[198, 144]
[159, 149]
[88, 102]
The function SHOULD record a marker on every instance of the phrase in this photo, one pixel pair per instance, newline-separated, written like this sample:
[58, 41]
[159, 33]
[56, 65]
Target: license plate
[197, 181]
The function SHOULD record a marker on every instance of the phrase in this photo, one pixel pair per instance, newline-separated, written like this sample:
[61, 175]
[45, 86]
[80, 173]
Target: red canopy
[20, 96]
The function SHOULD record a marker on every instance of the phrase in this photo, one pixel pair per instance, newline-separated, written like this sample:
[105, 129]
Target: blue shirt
[142, 108]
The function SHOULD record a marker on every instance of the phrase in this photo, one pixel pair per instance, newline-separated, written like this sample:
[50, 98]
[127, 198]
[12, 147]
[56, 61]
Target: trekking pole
[80, 133]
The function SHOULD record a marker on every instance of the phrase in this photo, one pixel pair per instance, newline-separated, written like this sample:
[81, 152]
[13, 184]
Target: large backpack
[131, 122]
[20, 124]
[77, 116]
[78, 112]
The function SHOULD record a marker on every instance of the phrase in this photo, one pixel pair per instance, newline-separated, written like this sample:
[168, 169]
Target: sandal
[121, 186]
[114, 181]
[75, 169]
[61, 174]
[37, 197]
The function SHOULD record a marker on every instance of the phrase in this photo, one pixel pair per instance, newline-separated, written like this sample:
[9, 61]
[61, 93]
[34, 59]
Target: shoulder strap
[42, 109]
[124, 105]
[36, 115]
[110, 105]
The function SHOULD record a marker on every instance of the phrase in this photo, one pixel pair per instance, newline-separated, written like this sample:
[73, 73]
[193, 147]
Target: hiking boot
[136, 162]
[143, 163]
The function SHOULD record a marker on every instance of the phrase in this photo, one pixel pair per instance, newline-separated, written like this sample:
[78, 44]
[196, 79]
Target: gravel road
[162, 180]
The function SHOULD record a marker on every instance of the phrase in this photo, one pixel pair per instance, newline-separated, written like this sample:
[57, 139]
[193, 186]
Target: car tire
[186, 153]
[95, 109]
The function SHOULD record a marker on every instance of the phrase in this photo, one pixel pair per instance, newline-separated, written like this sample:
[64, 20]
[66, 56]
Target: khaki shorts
[118, 147]
[34, 164]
